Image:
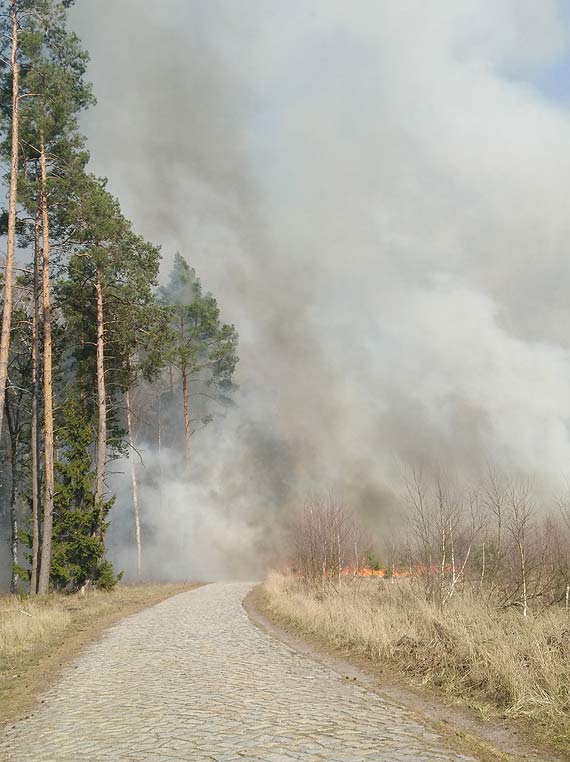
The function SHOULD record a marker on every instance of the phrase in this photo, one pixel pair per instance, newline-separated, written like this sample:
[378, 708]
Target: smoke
[376, 193]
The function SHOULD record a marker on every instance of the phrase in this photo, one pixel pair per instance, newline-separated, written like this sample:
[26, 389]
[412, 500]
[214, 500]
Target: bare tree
[494, 500]
[134, 485]
[421, 526]
[468, 523]
[324, 538]
[519, 524]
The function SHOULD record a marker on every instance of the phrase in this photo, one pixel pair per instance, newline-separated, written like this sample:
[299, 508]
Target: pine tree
[78, 549]
[54, 80]
[109, 306]
[202, 348]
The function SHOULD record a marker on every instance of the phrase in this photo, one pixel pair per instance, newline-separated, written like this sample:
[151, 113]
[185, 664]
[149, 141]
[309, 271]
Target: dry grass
[39, 635]
[469, 650]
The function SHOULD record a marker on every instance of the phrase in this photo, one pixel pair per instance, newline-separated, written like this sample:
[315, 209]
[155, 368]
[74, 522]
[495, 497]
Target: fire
[416, 571]
[361, 571]
[366, 572]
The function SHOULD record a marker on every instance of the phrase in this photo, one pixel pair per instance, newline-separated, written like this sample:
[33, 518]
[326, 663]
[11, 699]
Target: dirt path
[193, 679]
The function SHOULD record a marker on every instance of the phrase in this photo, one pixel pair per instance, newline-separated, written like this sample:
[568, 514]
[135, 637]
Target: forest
[94, 354]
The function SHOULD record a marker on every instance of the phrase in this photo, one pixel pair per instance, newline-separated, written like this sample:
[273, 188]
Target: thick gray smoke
[377, 194]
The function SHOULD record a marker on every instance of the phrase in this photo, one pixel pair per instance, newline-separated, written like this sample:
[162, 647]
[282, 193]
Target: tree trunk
[187, 431]
[452, 544]
[34, 444]
[13, 512]
[356, 560]
[483, 563]
[443, 559]
[339, 558]
[12, 201]
[159, 428]
[102, 408]
[134, 487]
[14, 530]
[159, 444]
[43, 583]
[522, 557]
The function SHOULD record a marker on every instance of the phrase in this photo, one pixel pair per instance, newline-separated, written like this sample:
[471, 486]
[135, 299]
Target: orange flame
[361, 571]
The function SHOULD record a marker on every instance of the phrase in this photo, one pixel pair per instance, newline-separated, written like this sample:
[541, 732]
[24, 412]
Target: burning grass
[493, 659]
[39, 635]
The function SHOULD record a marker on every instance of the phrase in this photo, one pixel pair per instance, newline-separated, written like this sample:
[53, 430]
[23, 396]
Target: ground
[193, 679]
[39, 635]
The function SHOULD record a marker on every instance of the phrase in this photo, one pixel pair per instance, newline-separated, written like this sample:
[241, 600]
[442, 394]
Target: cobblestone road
[193, 679]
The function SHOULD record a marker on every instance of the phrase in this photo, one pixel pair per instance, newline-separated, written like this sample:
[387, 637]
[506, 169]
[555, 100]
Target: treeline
[492, 540]
[84, 326]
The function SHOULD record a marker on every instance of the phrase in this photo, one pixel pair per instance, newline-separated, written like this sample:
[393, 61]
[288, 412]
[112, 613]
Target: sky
[377, 194]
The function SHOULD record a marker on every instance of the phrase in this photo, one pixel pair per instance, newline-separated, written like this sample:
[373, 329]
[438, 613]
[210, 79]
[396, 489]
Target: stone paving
[193, 679]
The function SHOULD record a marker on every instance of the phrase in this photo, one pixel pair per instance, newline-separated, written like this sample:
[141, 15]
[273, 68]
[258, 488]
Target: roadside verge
[464, 730]
[39, 636]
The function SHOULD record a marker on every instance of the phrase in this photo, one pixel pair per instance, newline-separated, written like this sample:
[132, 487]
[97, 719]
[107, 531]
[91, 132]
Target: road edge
[462, 729]
[37, 679]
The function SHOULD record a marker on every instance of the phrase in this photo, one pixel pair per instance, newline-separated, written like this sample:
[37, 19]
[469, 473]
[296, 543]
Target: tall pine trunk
[34, 444]
[187, 431]
[43, 583]
[11, 239]
[134, 486]
[101, 408]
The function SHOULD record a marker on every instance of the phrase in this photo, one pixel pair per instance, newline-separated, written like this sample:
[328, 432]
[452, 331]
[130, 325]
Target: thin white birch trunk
[134, 486]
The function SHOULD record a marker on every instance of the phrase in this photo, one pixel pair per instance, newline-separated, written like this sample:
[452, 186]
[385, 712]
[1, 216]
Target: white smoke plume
[377, 194]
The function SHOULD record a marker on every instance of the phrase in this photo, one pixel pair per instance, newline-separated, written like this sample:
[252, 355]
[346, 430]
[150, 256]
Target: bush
[372, 561]
[106, 579]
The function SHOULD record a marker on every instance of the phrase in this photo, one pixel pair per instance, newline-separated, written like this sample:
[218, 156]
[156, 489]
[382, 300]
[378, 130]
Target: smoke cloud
[377, 195]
